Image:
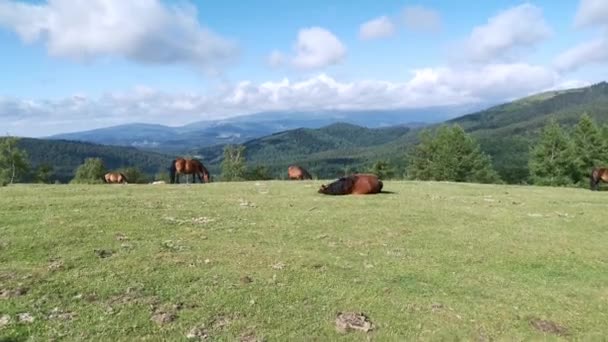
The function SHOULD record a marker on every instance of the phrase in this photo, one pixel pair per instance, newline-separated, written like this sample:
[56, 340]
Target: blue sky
[81, 64]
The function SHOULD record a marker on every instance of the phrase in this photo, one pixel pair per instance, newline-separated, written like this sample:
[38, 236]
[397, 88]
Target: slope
[65, 156]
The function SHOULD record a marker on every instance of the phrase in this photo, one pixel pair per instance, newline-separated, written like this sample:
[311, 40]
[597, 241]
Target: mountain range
[506, 132]
[244, 128]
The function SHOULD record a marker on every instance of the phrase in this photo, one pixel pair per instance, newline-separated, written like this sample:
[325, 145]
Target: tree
[90, 172]
[233, 165]
[44, 173]
[13, 161]
[134, 175]
[383, 169]
[590, 149]
[258, 172]
[450, 155]
[552, 160]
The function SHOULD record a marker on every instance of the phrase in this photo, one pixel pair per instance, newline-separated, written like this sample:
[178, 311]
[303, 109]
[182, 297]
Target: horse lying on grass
[356, 184]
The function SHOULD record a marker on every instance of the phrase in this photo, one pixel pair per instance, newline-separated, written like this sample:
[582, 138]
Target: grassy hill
[506, 132]
[65, 156]
[278, 261]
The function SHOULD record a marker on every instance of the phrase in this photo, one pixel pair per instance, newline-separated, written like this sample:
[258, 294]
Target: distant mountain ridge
[243, 128]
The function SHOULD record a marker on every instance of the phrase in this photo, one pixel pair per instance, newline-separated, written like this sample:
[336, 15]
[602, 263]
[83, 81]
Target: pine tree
[44, 173]
[13, 161]
[233, 166]
[552, 160]
[383, 169]
[450, 155]
[589, 148]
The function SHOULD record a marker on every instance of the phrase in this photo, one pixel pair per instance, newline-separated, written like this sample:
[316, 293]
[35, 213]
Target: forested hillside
[65, 156]
[506, 132]
[326, 151]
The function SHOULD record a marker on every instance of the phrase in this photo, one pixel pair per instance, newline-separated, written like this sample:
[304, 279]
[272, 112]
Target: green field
[277, 261]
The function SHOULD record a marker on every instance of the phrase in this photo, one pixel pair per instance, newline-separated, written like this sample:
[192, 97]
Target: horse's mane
[342, 186]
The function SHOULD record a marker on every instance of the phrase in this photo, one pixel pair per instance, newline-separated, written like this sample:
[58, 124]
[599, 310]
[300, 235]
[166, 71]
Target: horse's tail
[593, 179]
[124, 178]
[380, 185]
[172, 171]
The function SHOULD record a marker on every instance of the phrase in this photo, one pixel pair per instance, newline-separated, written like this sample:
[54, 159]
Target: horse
[188, 166]
[598, 174]
[298, 173]
[115, 177]
[356, 184]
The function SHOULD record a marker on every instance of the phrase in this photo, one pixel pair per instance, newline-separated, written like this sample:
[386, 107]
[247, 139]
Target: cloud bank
[143, 31]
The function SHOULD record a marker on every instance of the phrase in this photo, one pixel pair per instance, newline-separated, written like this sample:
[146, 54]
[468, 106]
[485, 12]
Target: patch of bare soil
[56, 265]
[103, 253]
[4, 321]
[348, 321]
[12, 293]
[250, 336]
[246, 280]
[121, 237]
[198, 333]
[549, 327]
[59, 314]
[25, 317]
[162, 317]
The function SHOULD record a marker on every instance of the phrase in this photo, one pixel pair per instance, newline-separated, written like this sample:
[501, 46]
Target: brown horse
[189, 167]
[598, 174]
[356, 184]
[297, 172]
[115, 177]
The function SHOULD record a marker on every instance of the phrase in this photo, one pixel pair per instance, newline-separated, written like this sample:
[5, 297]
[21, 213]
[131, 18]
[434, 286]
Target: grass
[277, 261]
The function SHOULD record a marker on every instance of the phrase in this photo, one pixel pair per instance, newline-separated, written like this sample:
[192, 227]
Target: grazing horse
[297, 172]
[597, 175]
[189, 167]
[115, 177]
[356, 184]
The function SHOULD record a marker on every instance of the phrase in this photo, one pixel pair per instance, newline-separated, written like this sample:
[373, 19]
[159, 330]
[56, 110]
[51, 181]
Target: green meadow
[276, 261]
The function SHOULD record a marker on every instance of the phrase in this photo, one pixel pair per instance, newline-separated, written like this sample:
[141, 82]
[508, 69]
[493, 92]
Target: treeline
[558, 157]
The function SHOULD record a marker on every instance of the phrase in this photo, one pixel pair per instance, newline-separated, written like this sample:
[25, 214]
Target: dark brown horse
[115, 177]
[597, 175]
[356, 184]
[188, 167]
[297, 172]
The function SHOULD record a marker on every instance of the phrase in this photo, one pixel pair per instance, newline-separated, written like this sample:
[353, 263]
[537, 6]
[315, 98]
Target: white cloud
[592, 13]
[592, 52]
[146, 31]
[316, 47]
[420, 18]
[519, 27]
[380, 27]
[427, 87]
[276, 58]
